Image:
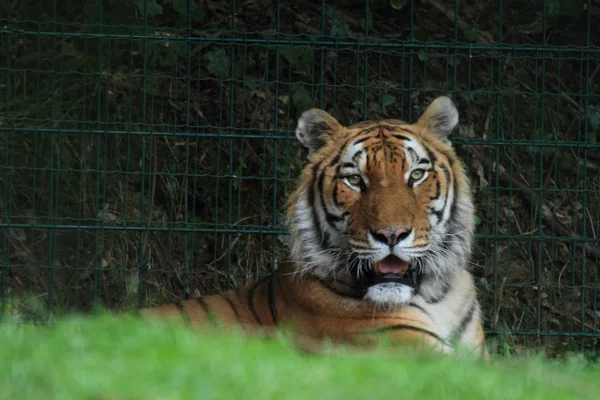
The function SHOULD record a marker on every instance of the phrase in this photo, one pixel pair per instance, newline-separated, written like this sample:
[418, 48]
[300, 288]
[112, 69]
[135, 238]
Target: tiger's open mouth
[394, 270]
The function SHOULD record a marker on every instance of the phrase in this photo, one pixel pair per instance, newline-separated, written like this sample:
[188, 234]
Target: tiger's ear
[315, 126]
[441, 117]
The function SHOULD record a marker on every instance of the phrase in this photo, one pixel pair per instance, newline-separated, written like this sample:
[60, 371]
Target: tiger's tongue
[391, 265]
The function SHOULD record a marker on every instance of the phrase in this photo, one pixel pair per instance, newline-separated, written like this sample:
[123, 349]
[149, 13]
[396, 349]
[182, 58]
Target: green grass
[106, 358]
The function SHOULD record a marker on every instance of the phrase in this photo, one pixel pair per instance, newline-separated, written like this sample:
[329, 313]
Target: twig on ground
[548, 217]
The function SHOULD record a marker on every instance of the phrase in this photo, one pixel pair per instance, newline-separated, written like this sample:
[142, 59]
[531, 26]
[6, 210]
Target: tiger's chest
[455, 318]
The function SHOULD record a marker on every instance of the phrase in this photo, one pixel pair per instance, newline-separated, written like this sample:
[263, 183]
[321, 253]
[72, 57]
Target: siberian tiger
[381, 228]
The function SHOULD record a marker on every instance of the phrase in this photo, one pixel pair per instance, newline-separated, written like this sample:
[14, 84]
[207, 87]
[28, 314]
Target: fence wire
[147, 146]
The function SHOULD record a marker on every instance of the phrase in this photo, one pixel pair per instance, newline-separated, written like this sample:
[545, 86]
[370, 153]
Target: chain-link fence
[147, 146]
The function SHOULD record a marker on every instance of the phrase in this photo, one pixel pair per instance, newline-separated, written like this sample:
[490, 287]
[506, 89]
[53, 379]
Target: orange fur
[305, 305]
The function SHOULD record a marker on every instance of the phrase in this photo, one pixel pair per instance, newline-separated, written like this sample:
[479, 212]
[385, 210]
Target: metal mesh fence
[147, 146]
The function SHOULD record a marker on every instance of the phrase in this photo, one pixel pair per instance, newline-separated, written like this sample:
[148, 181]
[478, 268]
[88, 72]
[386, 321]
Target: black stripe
[376, 148]
[438, 191]
[181, 309]
[438, 214]
[358, 153]
[413, 155]
[407, 328]
[359, 141]
[403, 138]
[335, 196]
[432, 156]
[352, 138]
[211, 316]
[233, 307]
[272, 301]
[203, 304]
[424, 161]
[332, 219]
[368, 130]
[453, 206]
[449, 182]
[329, 217]
[320, 185]
[468, 317]
[418, 307]
[348, 165]
[322, 240]
[441, 296]
[251, 301]
[335, 160]
[281, 290]
[349, 140]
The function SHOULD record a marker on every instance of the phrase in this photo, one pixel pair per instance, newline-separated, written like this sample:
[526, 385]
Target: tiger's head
[383, 206]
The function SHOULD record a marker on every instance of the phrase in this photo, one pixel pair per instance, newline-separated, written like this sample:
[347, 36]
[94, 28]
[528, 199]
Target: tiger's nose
[391, 236]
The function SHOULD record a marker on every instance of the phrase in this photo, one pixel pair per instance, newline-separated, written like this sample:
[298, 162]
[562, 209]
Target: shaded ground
[154, 167]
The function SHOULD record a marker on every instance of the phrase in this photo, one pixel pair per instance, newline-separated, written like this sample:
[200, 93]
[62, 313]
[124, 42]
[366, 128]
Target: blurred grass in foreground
[108, 358]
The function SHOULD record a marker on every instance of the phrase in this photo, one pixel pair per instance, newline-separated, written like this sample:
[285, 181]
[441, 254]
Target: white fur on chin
[390, 294]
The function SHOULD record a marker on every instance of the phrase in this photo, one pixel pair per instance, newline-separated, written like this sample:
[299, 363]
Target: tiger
[381, 229]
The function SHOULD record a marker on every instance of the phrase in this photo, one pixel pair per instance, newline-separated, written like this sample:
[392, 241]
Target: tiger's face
[383, 206]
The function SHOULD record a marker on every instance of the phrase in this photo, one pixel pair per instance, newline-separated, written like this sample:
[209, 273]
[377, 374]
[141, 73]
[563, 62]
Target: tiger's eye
[354, 180]
[417, 174]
